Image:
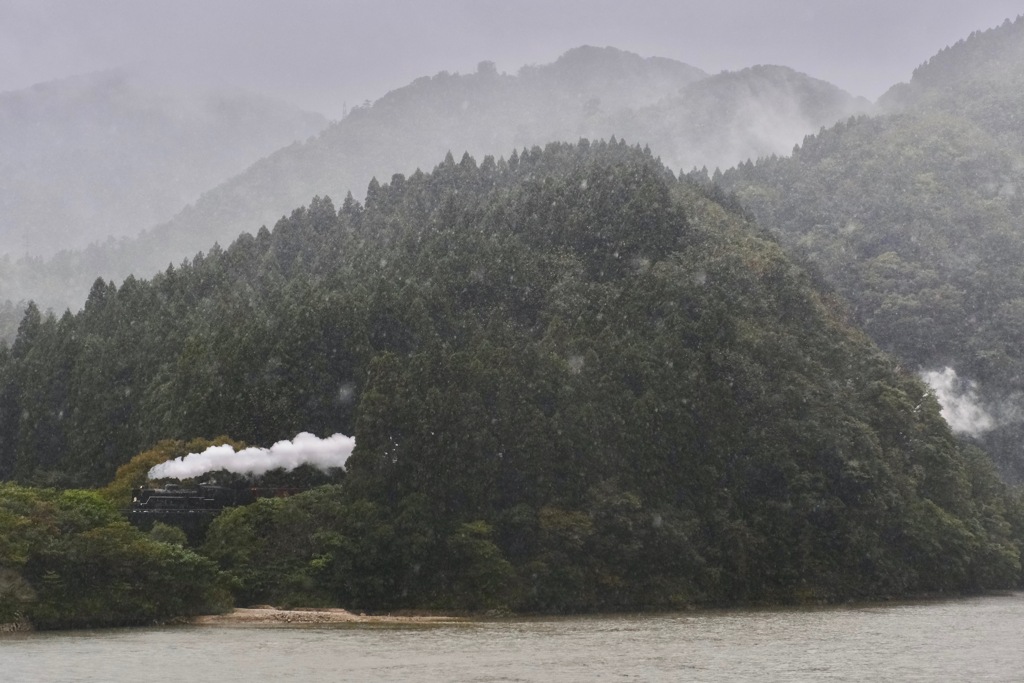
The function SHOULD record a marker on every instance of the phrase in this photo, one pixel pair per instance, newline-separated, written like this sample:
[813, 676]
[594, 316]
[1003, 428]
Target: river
[978, 639]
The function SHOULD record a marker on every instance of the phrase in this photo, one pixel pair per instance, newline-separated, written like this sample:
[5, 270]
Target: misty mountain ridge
[734, 116]
[979, 79]
[984, 56]
[617, 78]
[592, 93]
[915, 216]
[109, 153]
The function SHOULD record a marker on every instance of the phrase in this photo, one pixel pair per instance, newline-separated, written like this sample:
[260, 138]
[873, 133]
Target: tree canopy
[915, 218]
[576, 383]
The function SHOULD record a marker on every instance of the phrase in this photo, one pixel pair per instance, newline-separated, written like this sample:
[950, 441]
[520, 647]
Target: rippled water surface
[964, 640]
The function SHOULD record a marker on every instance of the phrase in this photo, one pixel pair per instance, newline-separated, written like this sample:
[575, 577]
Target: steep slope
[991, 56]
[109, 154]
[575, 383]
[917, 219]
[593, 93]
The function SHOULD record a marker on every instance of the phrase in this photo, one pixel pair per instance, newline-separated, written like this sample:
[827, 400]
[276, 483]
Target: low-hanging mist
[959, 400]
[304, 449]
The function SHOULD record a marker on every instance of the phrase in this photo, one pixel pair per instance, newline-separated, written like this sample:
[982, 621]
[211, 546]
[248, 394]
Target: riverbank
[976, 639]
[14, 627]
[271, 616]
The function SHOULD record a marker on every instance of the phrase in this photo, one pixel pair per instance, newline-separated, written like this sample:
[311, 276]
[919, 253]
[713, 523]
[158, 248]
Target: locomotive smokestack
[305, 449]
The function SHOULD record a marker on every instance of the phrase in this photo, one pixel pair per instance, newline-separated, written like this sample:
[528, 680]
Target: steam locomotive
[174, 498]
[192, 508]
[204, 499]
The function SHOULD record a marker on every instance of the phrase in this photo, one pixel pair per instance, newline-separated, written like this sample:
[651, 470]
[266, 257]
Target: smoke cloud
[305, 449]
[959, 400]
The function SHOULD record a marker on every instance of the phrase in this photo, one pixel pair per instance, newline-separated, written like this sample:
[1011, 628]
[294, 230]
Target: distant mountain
[991, 56]
[979, 79]
[615, 78]
[109, 154]
[917, 218]
[685, 116]
[734, 116]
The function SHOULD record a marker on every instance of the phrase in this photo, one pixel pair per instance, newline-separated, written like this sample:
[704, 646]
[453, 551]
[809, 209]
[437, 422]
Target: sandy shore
[272, 616]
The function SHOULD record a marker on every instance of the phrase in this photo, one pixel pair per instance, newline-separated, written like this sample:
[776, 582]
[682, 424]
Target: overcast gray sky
[323, 53]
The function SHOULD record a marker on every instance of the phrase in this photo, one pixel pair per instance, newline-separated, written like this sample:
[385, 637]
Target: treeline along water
[578, 385]
[963, 640]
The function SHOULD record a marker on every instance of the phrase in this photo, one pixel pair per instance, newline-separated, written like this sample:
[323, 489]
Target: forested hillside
[687, 117]
[916, 217]
[110, 154]
[575, 383]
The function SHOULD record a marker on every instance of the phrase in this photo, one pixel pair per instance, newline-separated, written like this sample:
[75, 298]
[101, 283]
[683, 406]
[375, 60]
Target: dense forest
[576, 383]
[916, 217]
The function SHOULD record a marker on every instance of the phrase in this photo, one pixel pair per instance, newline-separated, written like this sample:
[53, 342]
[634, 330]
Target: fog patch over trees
[959, 400]
[688, 118]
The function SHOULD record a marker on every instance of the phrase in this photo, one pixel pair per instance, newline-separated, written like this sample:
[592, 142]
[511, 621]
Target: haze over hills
[691, 119]
[731, 117]
[109, 154]
[576, 382]
[917, 218]
[912, 213]
[993, 55]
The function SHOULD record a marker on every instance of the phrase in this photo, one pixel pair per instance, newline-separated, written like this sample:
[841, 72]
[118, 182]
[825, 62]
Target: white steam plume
[305, 449]
[959, 401]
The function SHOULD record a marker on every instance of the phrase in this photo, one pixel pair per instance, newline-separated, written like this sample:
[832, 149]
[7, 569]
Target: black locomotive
[201, 499]
[192, 508]
[173, 498]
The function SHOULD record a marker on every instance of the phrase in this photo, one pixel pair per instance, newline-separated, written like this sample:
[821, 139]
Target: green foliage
[165, 533]
[576, 383]
[315, 548]
[134, 473]
[477, 576]
[69, 560]
[915, 216]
